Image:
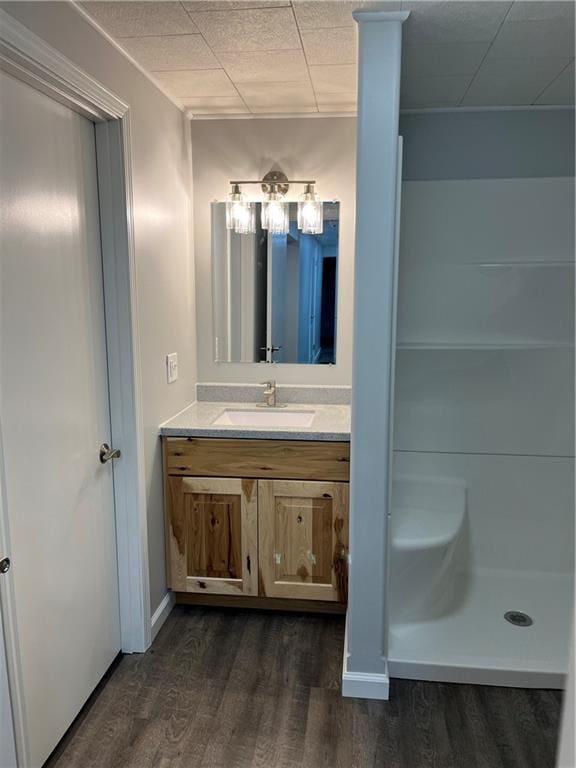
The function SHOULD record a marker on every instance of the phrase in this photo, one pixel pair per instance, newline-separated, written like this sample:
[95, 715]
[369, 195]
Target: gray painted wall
[488, 145]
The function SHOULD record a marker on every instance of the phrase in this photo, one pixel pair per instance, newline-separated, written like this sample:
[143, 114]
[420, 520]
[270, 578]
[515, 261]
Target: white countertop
[331, 423]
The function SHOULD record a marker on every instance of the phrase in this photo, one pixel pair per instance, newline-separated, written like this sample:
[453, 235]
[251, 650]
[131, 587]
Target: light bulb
[310, 212]
[275, 214]
[239, 212]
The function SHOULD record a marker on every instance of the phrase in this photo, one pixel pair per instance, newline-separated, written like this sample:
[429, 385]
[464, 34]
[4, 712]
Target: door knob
[5, 565]
[107, 453]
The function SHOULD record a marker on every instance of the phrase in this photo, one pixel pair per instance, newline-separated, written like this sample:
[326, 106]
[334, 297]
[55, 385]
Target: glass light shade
[310, 213]
[275, 215]
[240, 215]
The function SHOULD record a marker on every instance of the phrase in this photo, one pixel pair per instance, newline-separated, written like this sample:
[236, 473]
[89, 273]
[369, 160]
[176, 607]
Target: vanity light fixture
[240, 215]
[275, 209]
[310, 212]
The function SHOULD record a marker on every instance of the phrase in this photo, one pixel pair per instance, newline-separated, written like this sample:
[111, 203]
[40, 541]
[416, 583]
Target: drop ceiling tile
[265, 66]
[560, 90]
[510, 82]
[231, 5]
[429, 90]
[334, 78]
[258, 44]
[442, 60]
[453, 21]
[337, 102]
[277, 95]
[222, 105]
[320, 14]
[134, 19]
[537, 10]
[524, 39]
[330, 46]
[171, 52]
[262, 29]
[198, 83]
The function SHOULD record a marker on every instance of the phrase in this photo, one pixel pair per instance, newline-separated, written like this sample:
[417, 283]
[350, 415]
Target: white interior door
[55, 410]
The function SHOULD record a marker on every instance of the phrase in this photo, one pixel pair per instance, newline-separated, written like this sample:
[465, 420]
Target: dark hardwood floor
[239, 689]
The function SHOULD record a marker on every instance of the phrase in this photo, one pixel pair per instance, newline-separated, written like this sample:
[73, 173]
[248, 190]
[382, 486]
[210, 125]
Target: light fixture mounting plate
[275, 181]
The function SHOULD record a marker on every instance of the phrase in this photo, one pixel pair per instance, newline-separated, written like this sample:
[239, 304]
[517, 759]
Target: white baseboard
[363, 685]
[161, 614]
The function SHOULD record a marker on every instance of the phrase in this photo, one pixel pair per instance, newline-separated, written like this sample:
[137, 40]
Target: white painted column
[380, 44]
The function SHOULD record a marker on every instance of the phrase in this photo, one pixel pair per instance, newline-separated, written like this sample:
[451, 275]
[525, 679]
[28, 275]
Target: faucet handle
[270, 384]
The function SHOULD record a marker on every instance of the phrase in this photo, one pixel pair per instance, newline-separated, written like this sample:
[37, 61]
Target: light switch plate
[172, 367]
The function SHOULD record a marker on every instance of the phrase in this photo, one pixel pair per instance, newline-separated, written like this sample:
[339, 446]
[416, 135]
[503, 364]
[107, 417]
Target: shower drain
[518, 618]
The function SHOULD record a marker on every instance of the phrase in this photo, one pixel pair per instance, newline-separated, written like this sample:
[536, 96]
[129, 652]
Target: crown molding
[30, 58]
[268, 115]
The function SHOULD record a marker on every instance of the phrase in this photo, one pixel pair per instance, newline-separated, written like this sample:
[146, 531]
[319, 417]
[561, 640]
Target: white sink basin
[264, 417]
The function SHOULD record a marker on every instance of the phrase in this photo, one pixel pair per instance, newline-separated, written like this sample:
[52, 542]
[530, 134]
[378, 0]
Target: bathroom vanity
[256, 514]
[257, 498]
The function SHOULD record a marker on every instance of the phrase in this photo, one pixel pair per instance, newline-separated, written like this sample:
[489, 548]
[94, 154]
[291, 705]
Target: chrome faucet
[269, 395]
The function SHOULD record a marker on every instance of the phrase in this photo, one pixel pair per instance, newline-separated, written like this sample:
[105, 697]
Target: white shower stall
[482, 514]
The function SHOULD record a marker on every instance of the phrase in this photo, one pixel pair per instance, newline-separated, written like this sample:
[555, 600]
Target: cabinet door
[303, 539]
[212, 535]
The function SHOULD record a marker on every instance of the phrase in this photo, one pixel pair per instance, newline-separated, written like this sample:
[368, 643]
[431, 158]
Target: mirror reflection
[275, 296]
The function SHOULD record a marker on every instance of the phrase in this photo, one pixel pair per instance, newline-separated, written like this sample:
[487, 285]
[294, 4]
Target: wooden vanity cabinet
[262, 520]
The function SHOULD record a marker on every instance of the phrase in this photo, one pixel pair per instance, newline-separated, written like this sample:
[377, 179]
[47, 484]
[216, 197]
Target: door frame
[7, 640]
[27, 57]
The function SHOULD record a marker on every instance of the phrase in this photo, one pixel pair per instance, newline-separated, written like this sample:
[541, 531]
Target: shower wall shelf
[519, 263]
[457, 346]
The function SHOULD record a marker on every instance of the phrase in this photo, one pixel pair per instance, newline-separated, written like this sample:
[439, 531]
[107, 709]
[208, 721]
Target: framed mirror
[275, 297]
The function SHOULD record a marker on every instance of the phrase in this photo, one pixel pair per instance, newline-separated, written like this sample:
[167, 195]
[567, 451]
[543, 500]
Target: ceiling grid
[242, 57]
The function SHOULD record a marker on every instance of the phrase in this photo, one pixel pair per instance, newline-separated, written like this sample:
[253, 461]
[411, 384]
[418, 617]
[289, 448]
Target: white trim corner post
[365, 673]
